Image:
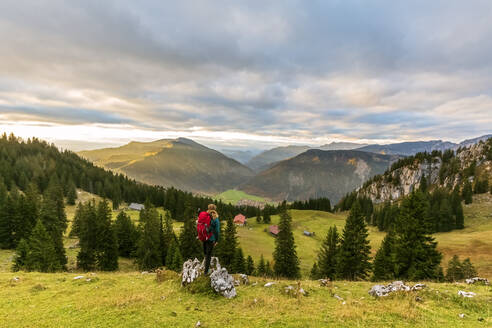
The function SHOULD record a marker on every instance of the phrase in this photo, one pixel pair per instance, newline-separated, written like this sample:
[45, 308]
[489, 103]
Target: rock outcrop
[396, 286]
[475, 280]
[220, 280]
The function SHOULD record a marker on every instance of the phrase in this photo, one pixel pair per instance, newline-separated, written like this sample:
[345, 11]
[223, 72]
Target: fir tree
[86, 215]
[71, 193]
[107, 250]
[21, 255]
[190, 246]
[384, 264]
[266, 215]
[261, 270]
[458, 210]
[250, 266]
[238, 264]
[148, 250]
[167, 235]
[126, 234]
[416, 256]
[353, 257]
[268, 269]
[286, 262]
[467, 193]
[173, 259]
[315, 274]
[228, 245]
[455, 271]
[52, 215]
[327, 256]
[468, 269]
[42, 255]
[258, 217]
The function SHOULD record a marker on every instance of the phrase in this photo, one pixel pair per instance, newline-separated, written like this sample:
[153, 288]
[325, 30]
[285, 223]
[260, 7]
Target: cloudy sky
[245, 73]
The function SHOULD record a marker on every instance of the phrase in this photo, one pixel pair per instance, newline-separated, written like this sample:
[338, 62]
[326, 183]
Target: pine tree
[416, 256]
[384, 264]
[52, 215]
[107, 252]
[468, 269]
[168, 235]
[455, 270]
[315, 274]
[72, 193]
[21, 255]
[227, 249]
[42, 255]
[286, 261]
[266, 215]
[467, 193]
[173, 259]
[190, 246]
[148, 253]
[5, 225]
[268, 270]
[238, 264]
[258, 217]
[250, 266]
[126, 234]
[447, 220]
[353, 257]
[86, 216]
[457, 209]
[327, 256]
[261, 269]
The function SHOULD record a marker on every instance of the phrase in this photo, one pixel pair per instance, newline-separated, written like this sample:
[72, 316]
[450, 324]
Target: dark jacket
[215, 226]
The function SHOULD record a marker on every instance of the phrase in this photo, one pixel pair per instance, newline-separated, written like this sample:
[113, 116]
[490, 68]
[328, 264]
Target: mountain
[181, 163]
[450, 169]
[242, 156]
[318, 173]
[270, 157]
[409, 148]
[469, 142]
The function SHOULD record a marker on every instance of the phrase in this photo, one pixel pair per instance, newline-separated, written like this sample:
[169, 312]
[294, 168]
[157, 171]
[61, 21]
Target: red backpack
[203, 226]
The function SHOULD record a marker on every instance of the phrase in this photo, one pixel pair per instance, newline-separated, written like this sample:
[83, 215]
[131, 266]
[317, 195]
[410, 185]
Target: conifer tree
[268, 269]
[250, 266]
[285, 255]
[228, 245]
[261, 269]
[266, 215]
[86, 216]
[353, 257]
[20, 257]
[168, 235]
[467, 193]
[52, 215]
[458, 210]
[71, 193]
[258, 217]
[5, 225]
[468, 269]
[107, 252]
[314, 274]
[190, 246]
[327, 256]
[126, 234]
[42, 255]
[455, 271]
[238, 264]
[384, 264]
[148, 249]
[416, 256]
[173, 259]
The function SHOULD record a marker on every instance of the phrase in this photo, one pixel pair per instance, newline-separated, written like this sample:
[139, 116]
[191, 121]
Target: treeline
[36, 162]
[407, 252]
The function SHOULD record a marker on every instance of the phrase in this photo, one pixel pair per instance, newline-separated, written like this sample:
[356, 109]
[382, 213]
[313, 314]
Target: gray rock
[338, 297]
[78, 277]
[466, 294]
[223, 283]
[269, 284]
[472, 281]
[396, 286]
[324, 282]
[192, 269]
[244, 279]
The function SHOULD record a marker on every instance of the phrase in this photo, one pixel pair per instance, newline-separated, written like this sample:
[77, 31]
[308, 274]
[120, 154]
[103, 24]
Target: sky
[245, 74]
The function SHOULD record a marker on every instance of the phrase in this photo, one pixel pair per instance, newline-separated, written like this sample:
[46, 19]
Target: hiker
[208, 228]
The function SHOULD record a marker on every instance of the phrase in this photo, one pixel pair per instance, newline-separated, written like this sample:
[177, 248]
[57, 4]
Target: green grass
[233, 196]
[136, 300]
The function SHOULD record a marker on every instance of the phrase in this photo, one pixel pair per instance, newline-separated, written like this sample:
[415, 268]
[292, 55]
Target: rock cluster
[466, 294]
[220, 280]
[472, 281]
[396, 286]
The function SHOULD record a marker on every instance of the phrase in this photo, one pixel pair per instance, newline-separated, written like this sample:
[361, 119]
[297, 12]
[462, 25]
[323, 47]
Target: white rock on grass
[192, 269]
[244, 279]
[466, 294]
[472, 281]
[223, 283]
[78, 277]
[338, 297]
[396, 286]
[269, 284]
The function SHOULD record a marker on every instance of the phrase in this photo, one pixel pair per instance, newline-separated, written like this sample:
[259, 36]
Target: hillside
[317, 173]
[181, 163]
[409, 148]
[448, 169]
[268, 158]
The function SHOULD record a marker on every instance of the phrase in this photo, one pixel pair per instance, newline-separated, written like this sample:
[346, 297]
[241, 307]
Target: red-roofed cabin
[240, 220]
[273, 230]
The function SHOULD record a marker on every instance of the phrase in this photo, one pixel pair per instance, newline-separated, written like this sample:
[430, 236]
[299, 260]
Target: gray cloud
[318, 69]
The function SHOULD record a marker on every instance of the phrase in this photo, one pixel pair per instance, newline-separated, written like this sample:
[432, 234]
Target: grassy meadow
[233, 196]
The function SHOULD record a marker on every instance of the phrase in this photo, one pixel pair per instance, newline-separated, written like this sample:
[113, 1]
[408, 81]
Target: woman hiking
[208, 227]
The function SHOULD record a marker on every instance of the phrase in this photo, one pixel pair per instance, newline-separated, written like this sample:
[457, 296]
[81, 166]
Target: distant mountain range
[292, 172]
[181, 163]
[318, 173]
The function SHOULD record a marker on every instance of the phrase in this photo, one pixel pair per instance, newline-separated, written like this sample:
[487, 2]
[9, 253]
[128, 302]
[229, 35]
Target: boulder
[472, 281]
[466, 294]
[244, 279]
[269, 284]
[192, 269]
[78, 277]
[396, 286]
[324, 282]
[223, 283]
